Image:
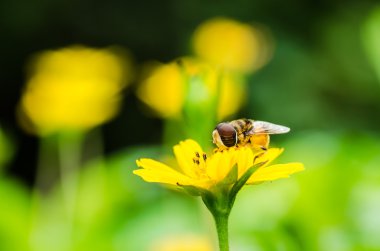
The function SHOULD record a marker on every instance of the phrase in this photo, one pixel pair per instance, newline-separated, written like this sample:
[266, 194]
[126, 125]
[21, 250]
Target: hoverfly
[245, 132]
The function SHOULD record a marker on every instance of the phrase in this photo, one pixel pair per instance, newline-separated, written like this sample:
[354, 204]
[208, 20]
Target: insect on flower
[245, 132]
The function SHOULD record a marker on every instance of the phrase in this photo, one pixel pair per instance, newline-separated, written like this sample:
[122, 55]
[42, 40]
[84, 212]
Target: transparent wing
[262, 127]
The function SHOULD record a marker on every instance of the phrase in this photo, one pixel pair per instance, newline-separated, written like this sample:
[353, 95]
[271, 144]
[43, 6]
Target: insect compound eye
[227, 134]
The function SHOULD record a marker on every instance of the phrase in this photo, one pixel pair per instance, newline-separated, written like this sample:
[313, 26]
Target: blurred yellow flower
[232, 45]
[74, 88]
[182, 243]
[163, 90]
[169, 86]
[198, 170]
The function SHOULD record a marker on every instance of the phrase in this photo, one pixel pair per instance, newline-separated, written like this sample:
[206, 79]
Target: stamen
[200, 164]
[196, 159]
[204, 156]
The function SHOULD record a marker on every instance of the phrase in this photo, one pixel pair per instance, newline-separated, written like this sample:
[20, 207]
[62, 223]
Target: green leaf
[231, 177]
[244, 178]
[194, 191]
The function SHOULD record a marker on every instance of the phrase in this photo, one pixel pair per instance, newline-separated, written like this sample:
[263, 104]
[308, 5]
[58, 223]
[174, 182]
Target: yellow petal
[154, 171]
[150, 164]
[213, 166]
[268, 156]
[244, 160]
[275, 172]
[220, 164]
[184, 153]
[172, 178]
[190, 146]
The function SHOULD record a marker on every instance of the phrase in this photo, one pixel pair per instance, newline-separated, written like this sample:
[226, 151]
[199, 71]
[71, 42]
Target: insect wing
[262, 127]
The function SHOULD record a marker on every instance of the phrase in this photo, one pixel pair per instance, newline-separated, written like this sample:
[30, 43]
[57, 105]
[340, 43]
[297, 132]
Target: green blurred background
[323, 82]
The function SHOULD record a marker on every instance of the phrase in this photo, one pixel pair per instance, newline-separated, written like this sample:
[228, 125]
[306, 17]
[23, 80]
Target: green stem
[69, 146]
[220, 205]
[220, 200]
[46, 163]
[221, 221]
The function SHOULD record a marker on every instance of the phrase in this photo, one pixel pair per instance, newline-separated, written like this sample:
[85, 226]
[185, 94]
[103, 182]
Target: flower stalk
[221, 222]
[220, 207]
[69, 147]
[221, 200]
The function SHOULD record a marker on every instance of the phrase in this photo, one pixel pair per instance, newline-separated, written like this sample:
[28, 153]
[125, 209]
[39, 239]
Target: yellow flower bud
[182, 243]
[163, 90]
[169, 86]
[231, 45]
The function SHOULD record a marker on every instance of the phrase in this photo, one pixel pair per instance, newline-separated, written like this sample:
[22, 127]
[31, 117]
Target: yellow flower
[169, 86]
[163, 90]
[216, 179]
[182, 243]
[232, 45]
[73, 88]
[198, 170]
